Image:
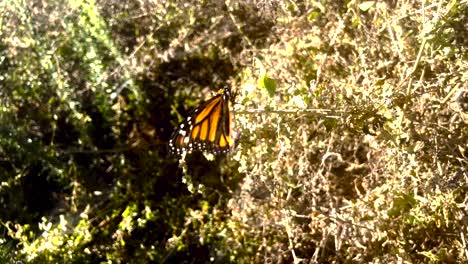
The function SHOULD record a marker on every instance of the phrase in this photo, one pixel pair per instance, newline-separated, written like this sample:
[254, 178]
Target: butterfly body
[209, 128]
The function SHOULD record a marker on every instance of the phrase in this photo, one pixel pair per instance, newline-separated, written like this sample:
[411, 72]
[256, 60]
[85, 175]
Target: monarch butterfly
[209, 127]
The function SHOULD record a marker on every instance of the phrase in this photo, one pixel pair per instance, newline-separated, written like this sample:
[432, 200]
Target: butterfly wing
[209, 128]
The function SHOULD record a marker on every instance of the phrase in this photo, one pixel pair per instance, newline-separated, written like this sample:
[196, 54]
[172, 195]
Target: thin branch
[291, 111]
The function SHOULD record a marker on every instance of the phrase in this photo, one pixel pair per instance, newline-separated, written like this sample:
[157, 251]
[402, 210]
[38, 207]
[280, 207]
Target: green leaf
[402, 204]
[356, 22]
[268, 84]
[312, 15]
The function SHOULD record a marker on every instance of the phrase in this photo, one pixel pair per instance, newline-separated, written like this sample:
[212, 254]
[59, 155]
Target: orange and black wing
[209, 128]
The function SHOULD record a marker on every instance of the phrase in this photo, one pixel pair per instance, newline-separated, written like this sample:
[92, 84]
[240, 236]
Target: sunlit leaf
[365, 6]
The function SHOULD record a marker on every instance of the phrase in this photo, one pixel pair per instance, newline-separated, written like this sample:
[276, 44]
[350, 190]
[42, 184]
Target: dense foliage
[352, 122]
